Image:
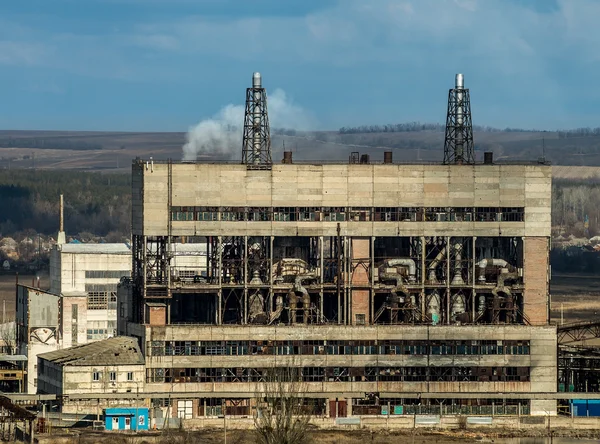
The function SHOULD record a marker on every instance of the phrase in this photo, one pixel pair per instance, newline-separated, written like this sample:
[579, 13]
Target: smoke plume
[220, 137]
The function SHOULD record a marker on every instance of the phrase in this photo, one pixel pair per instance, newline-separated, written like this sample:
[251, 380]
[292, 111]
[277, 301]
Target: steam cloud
[221, 136]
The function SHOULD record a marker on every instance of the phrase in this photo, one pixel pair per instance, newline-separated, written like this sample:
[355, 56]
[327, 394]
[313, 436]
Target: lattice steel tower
[458, 143]
[256, 144]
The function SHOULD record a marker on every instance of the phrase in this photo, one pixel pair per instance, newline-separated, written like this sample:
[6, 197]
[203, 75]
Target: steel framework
[256, 142]
[458, 142]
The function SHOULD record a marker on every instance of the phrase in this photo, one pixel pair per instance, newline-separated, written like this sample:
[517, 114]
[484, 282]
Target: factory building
[383, 283]
[110, 366]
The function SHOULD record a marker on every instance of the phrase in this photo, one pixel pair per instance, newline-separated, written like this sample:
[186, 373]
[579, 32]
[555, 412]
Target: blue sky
[164, 65]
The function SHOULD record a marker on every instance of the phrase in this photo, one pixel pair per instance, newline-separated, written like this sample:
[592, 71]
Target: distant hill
[114, 150]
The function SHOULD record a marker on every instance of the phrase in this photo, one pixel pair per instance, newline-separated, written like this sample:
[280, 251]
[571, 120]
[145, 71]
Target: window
[106, 274]
[130, 376]
[112, 376]
[97, 300]
[232, 214]
[360, 319]
[207, 213]
[284, 214]
[96, 376]
[361, 214]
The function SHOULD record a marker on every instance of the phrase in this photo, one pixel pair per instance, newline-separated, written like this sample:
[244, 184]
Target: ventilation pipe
[481, 306]
[458, 306]
[492, 262]
[385, 274]
[457, 280]
[434, 307]
[305, 297]
[432, 278]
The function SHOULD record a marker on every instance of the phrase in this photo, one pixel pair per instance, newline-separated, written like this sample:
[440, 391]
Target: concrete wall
[199, 184]
[78, 379]
[541, 360]
[73, 266]
[38, 315]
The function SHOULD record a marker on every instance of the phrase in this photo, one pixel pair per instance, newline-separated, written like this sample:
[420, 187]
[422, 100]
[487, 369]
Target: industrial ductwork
[491, 262]
[432, 278]
[304, 297]
[387, 270]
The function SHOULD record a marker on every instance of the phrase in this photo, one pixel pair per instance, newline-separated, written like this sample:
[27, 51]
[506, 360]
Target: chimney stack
[61, 238]
[256, 141]
[387, 157]
[458, 142]
[287, 157]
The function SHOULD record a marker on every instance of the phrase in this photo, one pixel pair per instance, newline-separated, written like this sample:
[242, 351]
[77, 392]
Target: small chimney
[387, 157]
[488, 157]
[287, 157]
[61, 238]
[62, 214]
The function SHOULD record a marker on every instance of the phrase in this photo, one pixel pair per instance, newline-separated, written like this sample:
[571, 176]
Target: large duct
[458, 142]
[256, 142]
[457, 279]
[293, 298]
[491, 262]
[432, 278]
[434, 307]
[386, 274]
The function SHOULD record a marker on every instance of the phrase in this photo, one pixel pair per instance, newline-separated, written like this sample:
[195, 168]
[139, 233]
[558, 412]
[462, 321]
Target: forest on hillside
[100, 204]
[94, 203]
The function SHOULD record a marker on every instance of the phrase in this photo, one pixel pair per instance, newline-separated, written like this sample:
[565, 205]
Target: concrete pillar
[543, 407]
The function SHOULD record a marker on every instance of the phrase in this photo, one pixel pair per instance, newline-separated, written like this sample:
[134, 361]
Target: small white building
[91, 271]
[114, 365]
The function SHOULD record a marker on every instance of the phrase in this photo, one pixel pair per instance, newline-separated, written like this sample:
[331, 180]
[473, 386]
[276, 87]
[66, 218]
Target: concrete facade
[110, 366]
[91, 271]
[390, 280]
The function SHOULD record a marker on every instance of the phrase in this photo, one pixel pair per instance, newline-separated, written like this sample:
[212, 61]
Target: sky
[165, 65]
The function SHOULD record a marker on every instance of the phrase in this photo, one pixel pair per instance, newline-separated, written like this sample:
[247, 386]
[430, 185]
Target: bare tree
[8, 337]
[282, 417]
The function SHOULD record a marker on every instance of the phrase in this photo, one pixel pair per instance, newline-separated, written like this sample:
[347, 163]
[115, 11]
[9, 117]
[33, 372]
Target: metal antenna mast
[458, 143]
[256, 143]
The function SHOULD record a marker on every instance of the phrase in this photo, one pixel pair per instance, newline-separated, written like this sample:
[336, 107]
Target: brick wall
[535, 276]
[360, 276]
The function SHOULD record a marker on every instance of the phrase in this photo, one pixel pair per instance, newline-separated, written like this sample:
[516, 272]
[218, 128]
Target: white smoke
[221, 136]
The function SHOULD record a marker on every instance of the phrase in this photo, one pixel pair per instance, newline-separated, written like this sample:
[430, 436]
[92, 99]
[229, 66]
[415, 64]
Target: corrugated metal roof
[96, 248]
[121, 350]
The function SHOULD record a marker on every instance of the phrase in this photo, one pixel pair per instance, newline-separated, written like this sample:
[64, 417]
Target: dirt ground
[423, 436]
[577, 296]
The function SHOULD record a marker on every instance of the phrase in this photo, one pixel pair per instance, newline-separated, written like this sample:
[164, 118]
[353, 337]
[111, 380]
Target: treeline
[48, 143]
[579, 132]
[412, 127]
[94, 203]
[574, 202]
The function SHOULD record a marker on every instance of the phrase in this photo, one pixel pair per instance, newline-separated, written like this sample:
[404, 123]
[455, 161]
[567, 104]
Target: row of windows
[386, 347]
[97, 376]
[106, 274]
[340, 214]
[341, 374]
[102, 300]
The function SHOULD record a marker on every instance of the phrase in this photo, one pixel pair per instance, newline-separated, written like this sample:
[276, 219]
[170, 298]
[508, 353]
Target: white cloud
[21, 53]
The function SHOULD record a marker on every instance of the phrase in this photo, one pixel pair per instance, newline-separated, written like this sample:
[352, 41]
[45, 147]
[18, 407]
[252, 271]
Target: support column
[220, 280]
[448, 295]
[270, 296]
[321, 272]
[473, 277]
[423, 278]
